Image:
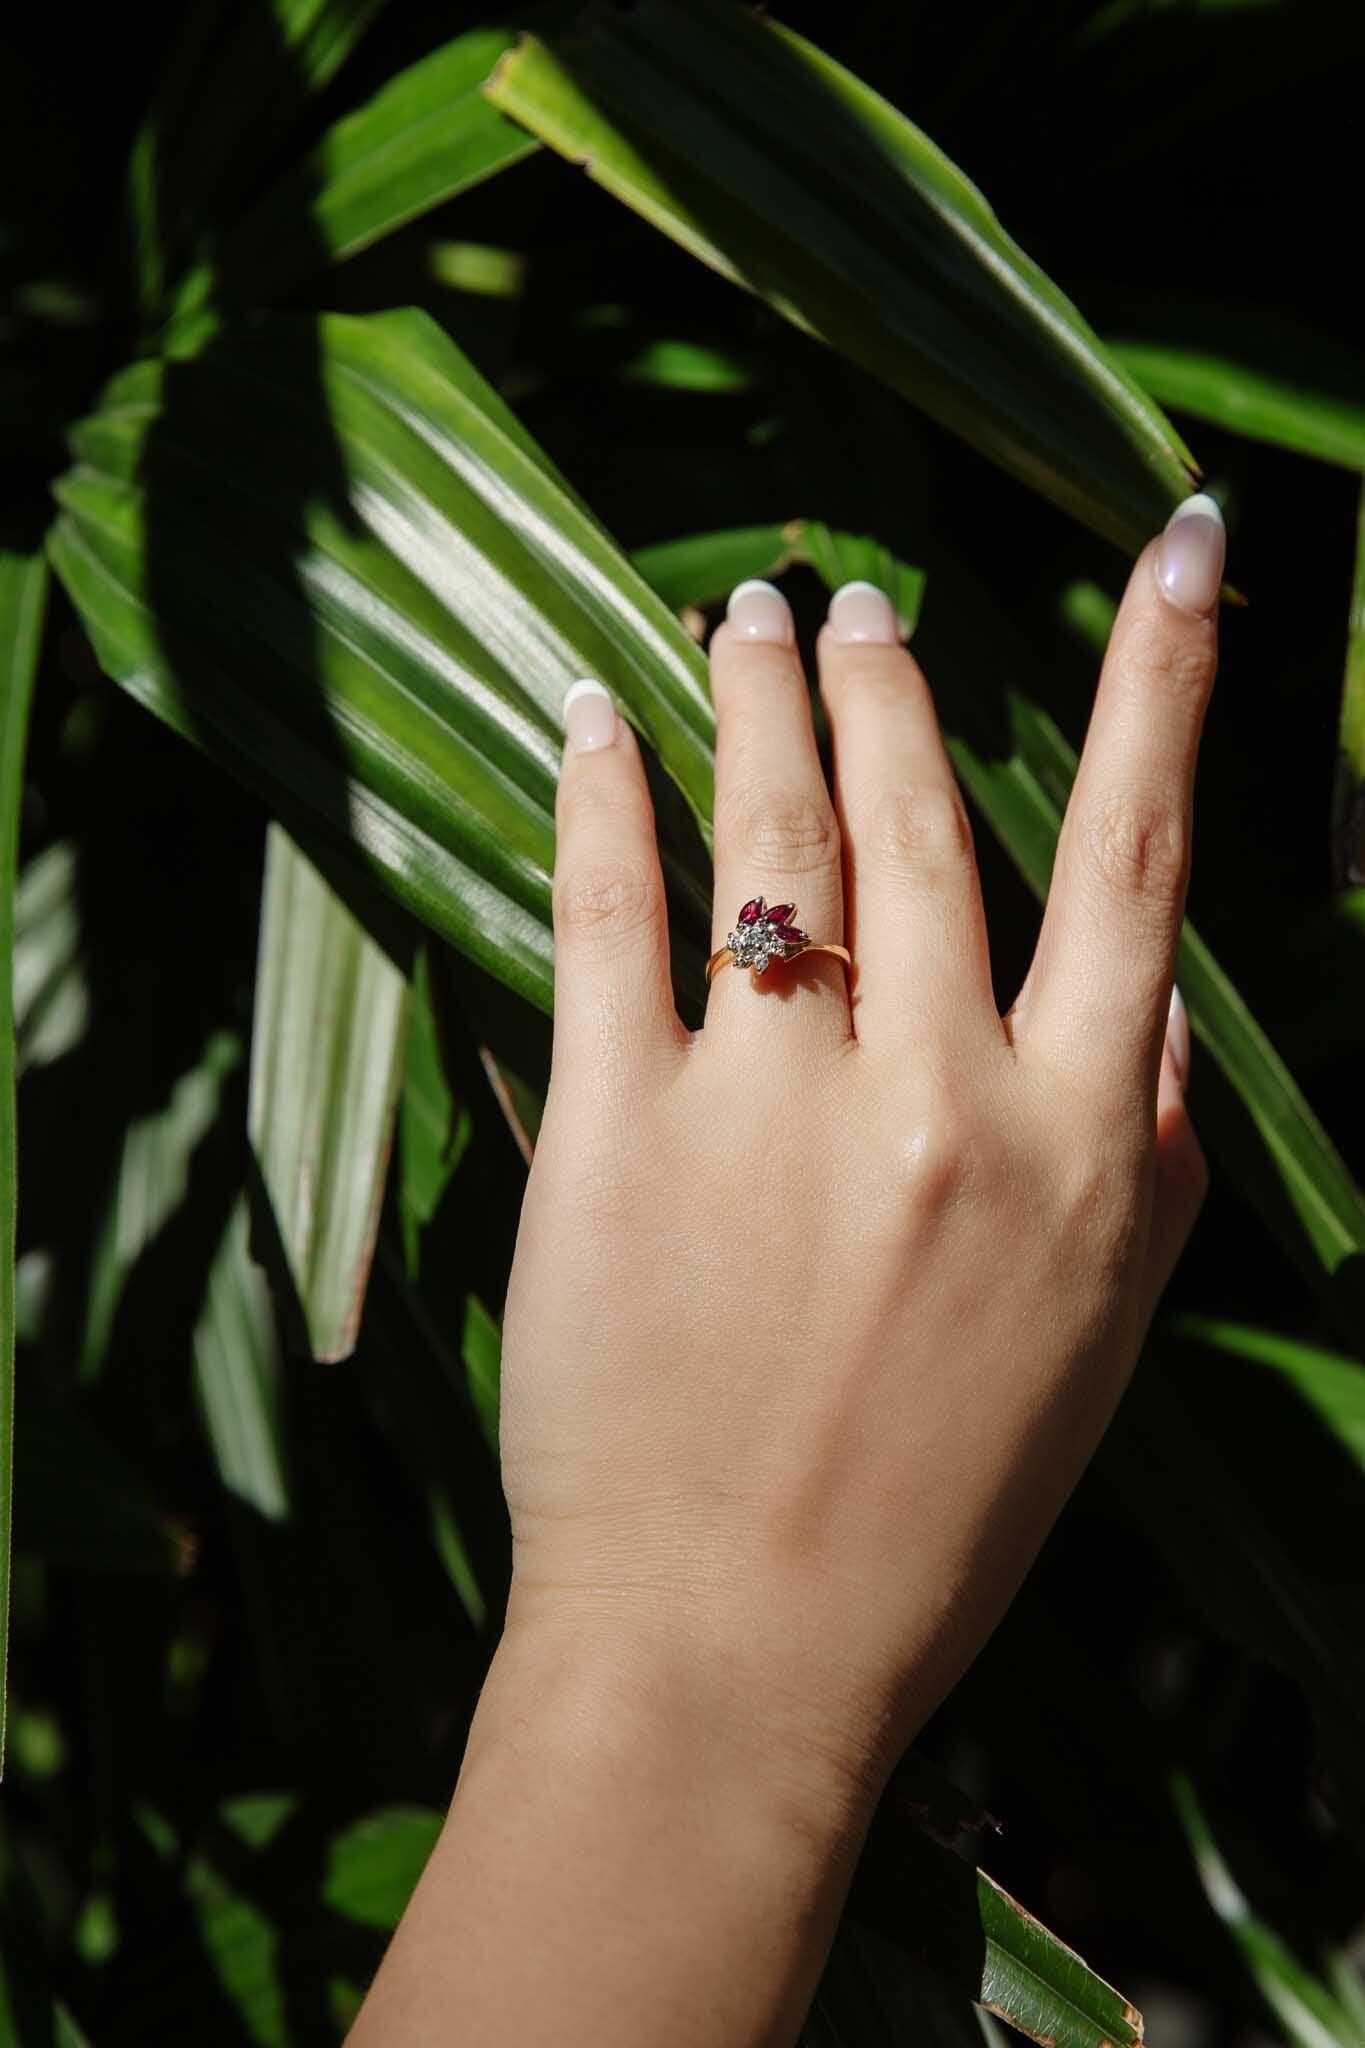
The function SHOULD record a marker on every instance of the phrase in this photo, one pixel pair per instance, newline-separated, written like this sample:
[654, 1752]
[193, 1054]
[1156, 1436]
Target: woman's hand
[818, 1313]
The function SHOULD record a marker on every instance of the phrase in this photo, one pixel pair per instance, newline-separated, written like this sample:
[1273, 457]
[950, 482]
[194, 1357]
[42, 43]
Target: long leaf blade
[23, 595]
[1348, 806]
[780, 169]
[414, 589]
[925, 1901]
[1288, 412]
[428, 134]
[326, 1048]
[237, 1374]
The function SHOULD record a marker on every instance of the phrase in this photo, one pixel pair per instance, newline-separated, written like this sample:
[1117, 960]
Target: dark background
[1194, 171]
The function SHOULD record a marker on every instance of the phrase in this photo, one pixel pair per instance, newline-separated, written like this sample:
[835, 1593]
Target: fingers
[776, 833]
[613, 992]
[1097, 994]
[914, 916]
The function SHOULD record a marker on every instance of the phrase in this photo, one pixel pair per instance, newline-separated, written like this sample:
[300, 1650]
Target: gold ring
[762, 936]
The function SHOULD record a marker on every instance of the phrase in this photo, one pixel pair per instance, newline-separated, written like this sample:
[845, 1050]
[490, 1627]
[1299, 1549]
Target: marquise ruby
[752, 911]
[790, 936]
[779, 913]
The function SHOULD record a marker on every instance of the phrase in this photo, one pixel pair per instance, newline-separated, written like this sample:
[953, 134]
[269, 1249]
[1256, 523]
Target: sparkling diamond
[756, 946]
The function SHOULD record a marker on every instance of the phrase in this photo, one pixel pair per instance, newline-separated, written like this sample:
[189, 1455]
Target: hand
[818, 1313]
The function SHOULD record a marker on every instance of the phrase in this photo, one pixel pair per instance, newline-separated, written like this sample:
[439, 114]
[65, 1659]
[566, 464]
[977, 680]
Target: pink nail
[1178, 1036]
[1189, 561]
[758, 611]
[861, 612]
[589, 717]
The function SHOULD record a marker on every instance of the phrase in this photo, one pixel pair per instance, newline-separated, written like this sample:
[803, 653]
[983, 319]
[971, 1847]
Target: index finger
[1098, 992]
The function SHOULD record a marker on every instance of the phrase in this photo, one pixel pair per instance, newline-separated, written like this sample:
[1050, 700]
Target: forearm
[627, 1860]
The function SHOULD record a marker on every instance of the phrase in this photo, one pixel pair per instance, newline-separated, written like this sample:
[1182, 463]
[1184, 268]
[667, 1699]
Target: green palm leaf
[1331, 1385]
[427, 135]
[413, 591]
[237, 1374]
[23, 594]
[780, 169]
[326, 1042]
[1225, 390]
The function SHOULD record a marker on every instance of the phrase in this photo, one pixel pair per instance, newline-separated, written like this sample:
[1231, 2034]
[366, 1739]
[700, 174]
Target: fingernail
[1189, 561]
[859, 611]
[1178, 1036]
[589, 717]
[758, 611]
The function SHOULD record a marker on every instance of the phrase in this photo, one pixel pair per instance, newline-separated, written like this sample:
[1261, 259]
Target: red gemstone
[779, 913]
[790, 936]
[752, 911]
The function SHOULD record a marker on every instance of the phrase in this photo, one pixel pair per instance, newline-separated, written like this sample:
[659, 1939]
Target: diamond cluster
[754, 945]
[763, 935]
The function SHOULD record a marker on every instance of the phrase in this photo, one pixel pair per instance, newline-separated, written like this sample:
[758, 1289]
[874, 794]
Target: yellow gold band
[725, 957]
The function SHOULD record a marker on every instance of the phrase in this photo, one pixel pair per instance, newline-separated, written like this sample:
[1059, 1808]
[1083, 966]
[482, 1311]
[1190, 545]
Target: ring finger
[776, 832]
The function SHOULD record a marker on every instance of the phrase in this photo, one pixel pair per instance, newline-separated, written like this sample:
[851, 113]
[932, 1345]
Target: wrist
[644, 1706]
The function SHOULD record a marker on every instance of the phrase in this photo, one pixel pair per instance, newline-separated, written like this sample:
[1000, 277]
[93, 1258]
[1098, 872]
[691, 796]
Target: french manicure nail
[759, 611]
[589, 717]
[859, 611]
[1178, 1036]
[1189, 561]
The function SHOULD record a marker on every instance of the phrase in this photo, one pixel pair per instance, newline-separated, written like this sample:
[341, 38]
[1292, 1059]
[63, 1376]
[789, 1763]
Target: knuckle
[941, 1155]
[780, 831]
[604, 901]
[1175, 662]
[1136, 846]
[918, 828]
[1096, 1186]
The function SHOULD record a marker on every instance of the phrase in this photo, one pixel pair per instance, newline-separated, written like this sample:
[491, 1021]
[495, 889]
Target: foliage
[369, 370]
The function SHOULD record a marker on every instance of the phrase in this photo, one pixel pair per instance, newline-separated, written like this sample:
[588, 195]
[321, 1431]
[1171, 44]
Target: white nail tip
[587, 687]
[1200, 505]
[752, 588]
[857, 589]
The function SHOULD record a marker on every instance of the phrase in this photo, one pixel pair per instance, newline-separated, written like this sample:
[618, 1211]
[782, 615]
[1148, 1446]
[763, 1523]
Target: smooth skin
[816, 1316]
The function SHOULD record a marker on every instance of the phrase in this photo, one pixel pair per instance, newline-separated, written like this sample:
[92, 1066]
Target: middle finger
[776, 832]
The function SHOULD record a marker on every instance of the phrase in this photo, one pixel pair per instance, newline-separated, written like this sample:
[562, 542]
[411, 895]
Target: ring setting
[763, 934]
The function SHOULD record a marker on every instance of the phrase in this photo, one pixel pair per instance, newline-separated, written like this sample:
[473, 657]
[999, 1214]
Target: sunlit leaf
[51, 999]
[769, 161]
[373, 1866]
[413, 591]
[237, 1374]
[326, 1046]
[427, 135]
[937, 1910]
[150, 1182]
